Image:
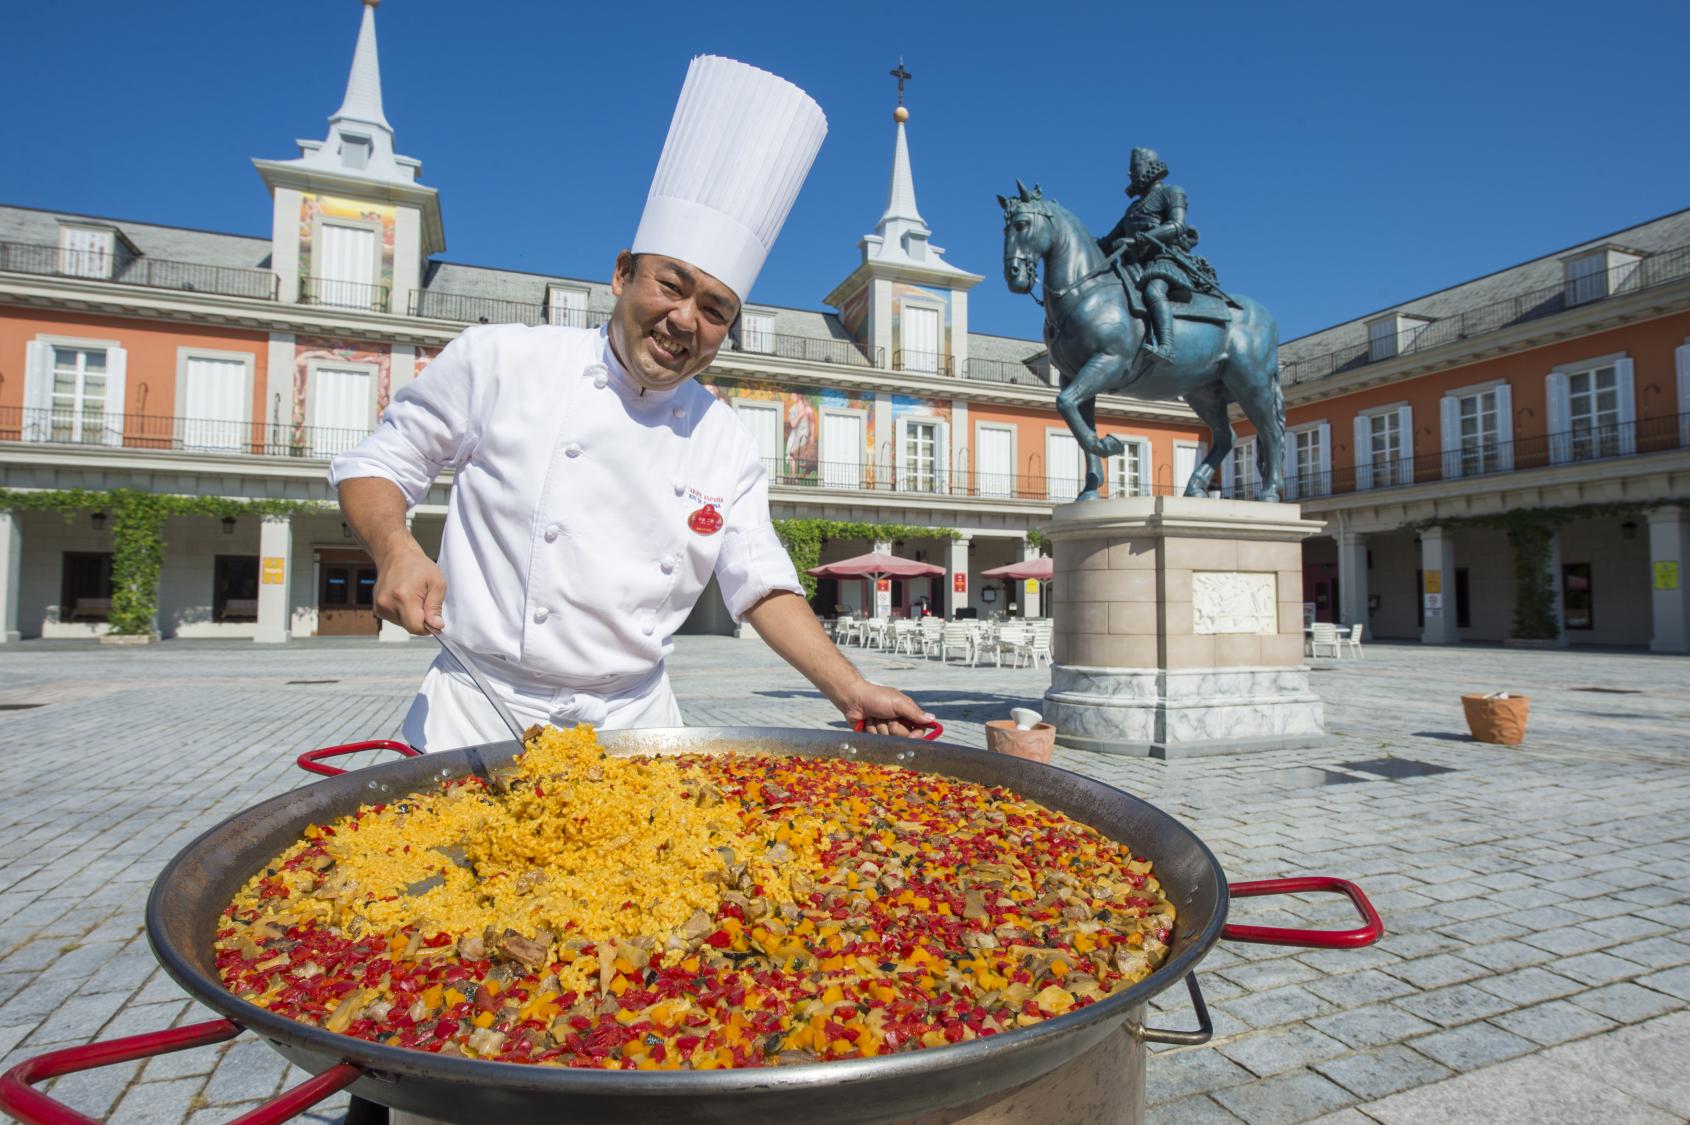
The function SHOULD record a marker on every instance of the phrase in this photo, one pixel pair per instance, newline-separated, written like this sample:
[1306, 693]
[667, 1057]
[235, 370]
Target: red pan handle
[1372, 931]
[312, 760]
[934, 729]
[20, 1098]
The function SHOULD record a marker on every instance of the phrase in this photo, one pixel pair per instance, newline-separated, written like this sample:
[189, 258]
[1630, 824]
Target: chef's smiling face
[670, 318]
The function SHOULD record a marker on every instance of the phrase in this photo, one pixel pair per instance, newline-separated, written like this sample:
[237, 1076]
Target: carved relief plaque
[1226, 601]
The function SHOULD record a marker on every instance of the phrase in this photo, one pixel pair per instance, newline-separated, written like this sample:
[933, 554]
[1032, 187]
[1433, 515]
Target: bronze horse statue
[1094, 342]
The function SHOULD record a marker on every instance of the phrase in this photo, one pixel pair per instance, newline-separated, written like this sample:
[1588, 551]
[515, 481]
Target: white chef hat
[740, 144]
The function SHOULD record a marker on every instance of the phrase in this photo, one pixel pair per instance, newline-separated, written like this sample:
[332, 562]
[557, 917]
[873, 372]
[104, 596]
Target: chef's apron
[450, 711]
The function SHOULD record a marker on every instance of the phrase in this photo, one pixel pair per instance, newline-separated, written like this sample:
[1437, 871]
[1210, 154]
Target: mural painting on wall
[311, 207]
[853, 314]
[323, 352]
[801, 422]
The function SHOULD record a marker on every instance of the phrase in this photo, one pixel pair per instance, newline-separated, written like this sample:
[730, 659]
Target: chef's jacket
[585, 516]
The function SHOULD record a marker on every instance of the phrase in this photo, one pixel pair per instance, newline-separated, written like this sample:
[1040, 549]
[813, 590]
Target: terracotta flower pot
[1499, 720]
[1034, 744]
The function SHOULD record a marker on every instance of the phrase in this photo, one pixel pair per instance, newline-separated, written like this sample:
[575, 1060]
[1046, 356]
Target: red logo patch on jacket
[706, 521]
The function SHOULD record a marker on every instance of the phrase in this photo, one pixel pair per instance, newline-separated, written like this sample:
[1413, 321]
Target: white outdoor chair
[877, 633]
[1324, 634]
[1013, 640]
[906, 635]
[844, 630]
[932, 634]
[1354, 641]
[956, 635]
[1038, 642]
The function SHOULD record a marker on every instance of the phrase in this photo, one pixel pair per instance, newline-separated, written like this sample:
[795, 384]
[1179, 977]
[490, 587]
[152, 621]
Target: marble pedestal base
[1179, 627]
[1183, 713]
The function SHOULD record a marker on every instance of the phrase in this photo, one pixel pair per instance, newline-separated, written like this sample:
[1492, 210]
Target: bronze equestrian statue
[1136, 312]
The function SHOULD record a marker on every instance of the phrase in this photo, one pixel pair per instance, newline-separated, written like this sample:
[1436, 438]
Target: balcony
[1005, 371]
[331, 293]
[1653, 270]
[159, 433]
[923, 363]
[808, 349]
[150, 273]
[466, 308]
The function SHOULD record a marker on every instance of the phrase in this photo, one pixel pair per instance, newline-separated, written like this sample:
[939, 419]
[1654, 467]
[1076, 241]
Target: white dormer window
[757, 332]
[566, 306]
[87, 251]
[354, 152]
[1392, 335]
[1601, 273]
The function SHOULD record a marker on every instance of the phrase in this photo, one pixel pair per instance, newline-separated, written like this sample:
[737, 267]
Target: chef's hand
[410, 590]
[884, 710]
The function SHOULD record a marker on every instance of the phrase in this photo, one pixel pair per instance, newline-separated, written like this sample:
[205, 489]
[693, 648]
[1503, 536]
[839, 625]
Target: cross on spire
[902, 76]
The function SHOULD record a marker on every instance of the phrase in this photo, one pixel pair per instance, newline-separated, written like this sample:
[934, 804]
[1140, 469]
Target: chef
[597, 486]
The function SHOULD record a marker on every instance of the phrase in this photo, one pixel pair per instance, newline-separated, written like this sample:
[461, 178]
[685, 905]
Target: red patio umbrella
[1041, 568]
[876, 565]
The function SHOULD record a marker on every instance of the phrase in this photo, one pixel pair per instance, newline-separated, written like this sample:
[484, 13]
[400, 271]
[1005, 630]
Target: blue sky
[1339, 157]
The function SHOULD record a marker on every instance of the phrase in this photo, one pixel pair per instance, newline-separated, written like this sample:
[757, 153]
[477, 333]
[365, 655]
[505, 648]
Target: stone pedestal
[1179, 627]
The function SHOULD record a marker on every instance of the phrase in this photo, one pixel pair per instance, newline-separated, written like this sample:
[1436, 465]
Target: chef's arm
[410, 588]
[784, 620]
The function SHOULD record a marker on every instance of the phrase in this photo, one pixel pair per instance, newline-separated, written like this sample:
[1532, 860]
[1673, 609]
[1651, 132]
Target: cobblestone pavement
[1536, 968]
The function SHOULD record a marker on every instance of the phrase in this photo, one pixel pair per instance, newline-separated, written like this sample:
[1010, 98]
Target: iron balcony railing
[1008, 371]
[1483, 459]
[179, 435]
[1660, 268]
[151, 273]
[809, 349]
[332, 293]
[925, 363]
[466, 308]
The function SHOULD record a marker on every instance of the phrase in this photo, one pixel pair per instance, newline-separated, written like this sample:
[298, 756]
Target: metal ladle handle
[469, 666]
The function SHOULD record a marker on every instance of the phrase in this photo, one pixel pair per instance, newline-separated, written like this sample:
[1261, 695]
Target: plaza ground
[1536, 897]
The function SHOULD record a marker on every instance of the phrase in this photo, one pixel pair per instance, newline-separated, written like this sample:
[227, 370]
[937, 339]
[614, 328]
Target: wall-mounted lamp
[98, 519]
[345, 530]
[1628, 529]
[228, 525]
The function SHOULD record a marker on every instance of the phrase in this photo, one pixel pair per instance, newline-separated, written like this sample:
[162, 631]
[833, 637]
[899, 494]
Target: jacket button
[680, 487]
[541, 614]
[573, 449]
[601, 381]
[552, 532]
[668, 564]
[648, 624]
[680, 412]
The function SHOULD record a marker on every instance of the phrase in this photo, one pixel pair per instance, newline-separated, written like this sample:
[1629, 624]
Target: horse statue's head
[1027, 234]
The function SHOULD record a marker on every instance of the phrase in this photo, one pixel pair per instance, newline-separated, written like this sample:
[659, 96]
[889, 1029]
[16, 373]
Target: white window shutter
[37, 391]
[1627, 396]
[1363, 448]
[901, 456]
[117, 365]
[1450, 409]
[1560, 441]
[1505, 425]
[1405, 436]
[1295, 486]
[1682, 356]
[941, 456]
[1323, 486]
[1147, 470]
[1227, 473]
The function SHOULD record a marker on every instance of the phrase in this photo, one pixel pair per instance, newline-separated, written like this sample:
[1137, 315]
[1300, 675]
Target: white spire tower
[363, 86]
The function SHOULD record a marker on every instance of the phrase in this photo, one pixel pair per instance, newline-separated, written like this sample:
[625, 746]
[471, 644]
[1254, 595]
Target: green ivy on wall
[804, 539]
[138, 536]
[1531, 535]
[1040, 541]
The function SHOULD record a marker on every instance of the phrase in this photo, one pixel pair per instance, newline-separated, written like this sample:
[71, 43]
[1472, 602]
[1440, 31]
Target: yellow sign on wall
[1434, 582]
[275, 569]
[1666, 575]
[1032, 585]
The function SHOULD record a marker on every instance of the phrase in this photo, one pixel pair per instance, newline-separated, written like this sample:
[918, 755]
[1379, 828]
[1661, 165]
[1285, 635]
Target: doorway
[346, 588]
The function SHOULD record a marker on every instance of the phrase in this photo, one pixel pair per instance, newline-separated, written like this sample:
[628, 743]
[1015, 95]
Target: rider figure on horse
[1152, 243]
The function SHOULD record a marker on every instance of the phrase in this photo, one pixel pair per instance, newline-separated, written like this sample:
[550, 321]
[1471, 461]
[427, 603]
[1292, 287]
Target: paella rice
[692, 912]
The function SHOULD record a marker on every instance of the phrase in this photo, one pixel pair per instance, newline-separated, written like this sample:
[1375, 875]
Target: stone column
[1437, 586]
[275, 577]
[11, 569]
[1027, 597]
[390, 631]
[1669, 552]
[959, 565]
[1556, 609]
[1352, 579]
